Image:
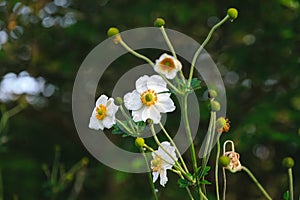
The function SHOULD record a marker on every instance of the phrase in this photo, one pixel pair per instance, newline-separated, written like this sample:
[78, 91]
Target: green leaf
[116, 130]
[183, 183]
[195, 83]
[286, 195]
[205, 171]
[205, 182]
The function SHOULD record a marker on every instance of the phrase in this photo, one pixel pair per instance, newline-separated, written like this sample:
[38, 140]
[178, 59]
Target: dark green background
[264, 119]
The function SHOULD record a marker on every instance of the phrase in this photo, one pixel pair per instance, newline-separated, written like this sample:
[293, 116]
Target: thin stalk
[171, 49]
[148, 61]
[192, 148]
[128, 118]
[1, 186]
[189, 192]
[149, 175]
[224, 183]
[209, 138]
[55, 167]
[290, 172]
[124, 126]
[135, 53]
[217, 170]
[256, 182]
[203, 45]
[176, 149]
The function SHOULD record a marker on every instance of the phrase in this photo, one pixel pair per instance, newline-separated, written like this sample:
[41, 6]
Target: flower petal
[164, 103]
[157, 84]
[155, 176]
[141, 84]
[137, 114]
[102, 100]
[132, 100]
[108, 122]
[151, 112]
[95, 124]
[163, 177]
[111, 108]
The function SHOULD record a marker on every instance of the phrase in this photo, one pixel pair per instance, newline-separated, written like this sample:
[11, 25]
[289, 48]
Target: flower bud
[212, 94]
[215, 106]
[159, 22]
[224, 161]
[288, 162]
[221, 123]
[149, 121]
[112, 31]
[139, 142]
[119, 100]
[232, 13]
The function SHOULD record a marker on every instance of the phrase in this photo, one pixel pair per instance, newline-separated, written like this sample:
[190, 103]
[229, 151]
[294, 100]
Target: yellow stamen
[156, 163]
[167, 64]
[101, 112]
[149, 97]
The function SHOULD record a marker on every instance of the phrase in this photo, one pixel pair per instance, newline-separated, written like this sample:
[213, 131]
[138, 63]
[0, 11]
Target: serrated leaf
[286, 195]
[183, 183]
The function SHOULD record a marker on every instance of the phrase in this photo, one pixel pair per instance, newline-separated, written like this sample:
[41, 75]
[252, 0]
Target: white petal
[132, 100]
[141, 84]
[163, 177]
[111, 108]
[102, 100]
[151, 113]
[164, 103]
[155, 176]
[108, 122]
[157, 84]
[137, 114]
[95, 124]
[171, 74]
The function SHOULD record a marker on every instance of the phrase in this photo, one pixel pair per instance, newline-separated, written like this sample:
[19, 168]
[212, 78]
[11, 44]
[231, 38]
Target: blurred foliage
[257, 55]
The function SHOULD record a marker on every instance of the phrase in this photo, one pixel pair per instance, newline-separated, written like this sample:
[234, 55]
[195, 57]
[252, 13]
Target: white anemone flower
[162, 161]
[149, 99]
[167, 65]
[103, 115]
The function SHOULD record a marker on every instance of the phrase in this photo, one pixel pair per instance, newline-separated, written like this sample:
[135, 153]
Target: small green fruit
[112, 31]
[224, 161]
[139, 142]
[232, 13]
[159, 22]
[288, 162]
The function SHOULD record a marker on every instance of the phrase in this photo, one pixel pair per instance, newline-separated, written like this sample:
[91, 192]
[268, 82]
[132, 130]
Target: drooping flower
[149, 99]
[167, 65]
[234, 164]
[162, 161]
[103, 115]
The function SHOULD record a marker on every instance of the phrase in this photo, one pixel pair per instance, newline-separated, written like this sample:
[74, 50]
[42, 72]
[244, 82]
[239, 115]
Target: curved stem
[149, 175]
[209, 139]
[148, 61]
[124, 126]
[176, 149]
[128, 118]
[217, 169]
[224, 183]
[203, 45]
[189, 192]
[291, 183]
[256, 182]
[135, 53]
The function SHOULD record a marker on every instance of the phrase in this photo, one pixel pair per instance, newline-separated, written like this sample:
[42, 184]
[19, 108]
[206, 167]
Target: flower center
[101, 112]
[156, 163]
[149, 97]
[167, 64]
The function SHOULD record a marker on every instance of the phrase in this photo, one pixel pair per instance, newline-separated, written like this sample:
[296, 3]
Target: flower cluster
[13, 86]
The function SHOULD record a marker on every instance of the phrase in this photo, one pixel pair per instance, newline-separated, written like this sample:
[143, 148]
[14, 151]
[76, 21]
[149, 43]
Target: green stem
[128, 118]
[224, 183]
[203, 45]
[149, 175]
[256, 182]
[1, 186]
[176, 149]
[290, 173]
[217, 169]
[192, 148]
[209, 138]
[55, 167]
[189, 192]
[172, 49]
[10, 113]
[148, 61]
[124, 126]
